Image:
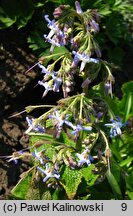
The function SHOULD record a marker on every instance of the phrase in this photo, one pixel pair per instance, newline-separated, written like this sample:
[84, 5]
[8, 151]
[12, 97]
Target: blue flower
[86, 83]
[33, 126]
[48, 74]
[47, 86]
[38, 156]
[84, 157]
[44, 70]
[115, 127]
[79, 127]
[15, 156]
[54, 82]
[53, 41]
[84, 58]
[56, 37]
[49, 172]
[94, 25]
[57, 83]
[60, 120]
[51, 24]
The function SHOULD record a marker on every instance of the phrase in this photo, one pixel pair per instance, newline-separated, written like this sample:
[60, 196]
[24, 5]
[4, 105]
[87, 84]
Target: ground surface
[17, 91]
[15, 59]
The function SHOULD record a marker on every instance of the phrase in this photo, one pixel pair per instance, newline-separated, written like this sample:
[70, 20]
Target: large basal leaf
[70, 181]
[22, 187]
[114, 185]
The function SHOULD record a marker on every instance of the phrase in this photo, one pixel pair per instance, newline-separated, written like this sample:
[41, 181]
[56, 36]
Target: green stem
[31, 108]
[105, 138]
[107, 147]
[81, 108]
[79, 142]
[85, 90]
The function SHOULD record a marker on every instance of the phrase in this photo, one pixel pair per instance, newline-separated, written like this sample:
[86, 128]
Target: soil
[16, 92]
[15, 59]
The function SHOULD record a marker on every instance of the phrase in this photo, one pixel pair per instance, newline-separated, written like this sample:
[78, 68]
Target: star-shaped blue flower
[84, 59]
[84, 157]
[49, 172]
[115, 127]
[33, 126]
[38, 156]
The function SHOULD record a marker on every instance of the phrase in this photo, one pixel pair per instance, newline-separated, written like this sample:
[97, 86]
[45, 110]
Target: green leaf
[114, 185]
[36, 41]
[90, 178]
[15, 11]
[70, 181]
[38, 190]
[129, 182]
[21, 189]
[66, 140]
[44, 136]
[130, 195]
[126, 103]
[58, 52]
[47, 143]
[5, 20]
[126, 162]
[39, 3]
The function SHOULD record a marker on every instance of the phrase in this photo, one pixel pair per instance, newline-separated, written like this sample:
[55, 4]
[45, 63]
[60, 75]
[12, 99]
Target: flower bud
[78, 8]
[86, 83]
[59, 10]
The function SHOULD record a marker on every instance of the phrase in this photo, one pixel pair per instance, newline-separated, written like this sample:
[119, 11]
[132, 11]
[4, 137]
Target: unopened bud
[59, 10]
[78, 8]
[86, 83]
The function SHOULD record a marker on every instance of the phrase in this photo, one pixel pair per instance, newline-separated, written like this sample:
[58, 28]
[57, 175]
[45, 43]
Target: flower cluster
[62, 34]
[51, 80]
[34, 126]
[56, 36]
[75, 122]
[77, 116]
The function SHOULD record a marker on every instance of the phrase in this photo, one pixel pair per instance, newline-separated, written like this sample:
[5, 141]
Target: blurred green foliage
[17, 12]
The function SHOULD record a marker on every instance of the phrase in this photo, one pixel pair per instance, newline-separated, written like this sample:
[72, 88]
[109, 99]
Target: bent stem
[107, 148]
